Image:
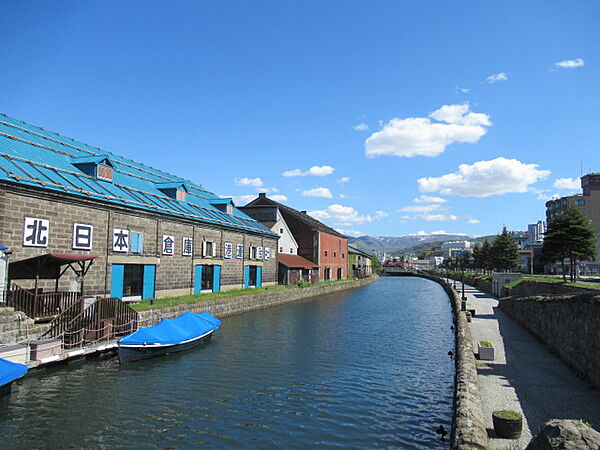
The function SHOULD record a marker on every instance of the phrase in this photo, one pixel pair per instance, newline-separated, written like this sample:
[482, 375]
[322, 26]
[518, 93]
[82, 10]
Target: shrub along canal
[361, 368]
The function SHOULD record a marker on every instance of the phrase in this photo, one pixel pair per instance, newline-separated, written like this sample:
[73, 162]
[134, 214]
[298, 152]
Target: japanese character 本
[120, 240]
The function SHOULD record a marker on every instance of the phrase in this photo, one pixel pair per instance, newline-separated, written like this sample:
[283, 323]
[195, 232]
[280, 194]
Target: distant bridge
[398, 271]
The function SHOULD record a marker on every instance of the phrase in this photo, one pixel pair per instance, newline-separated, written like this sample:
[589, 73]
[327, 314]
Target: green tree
[505, 253]
[477, 257]
[376, 264]
[487, 263]
[569, 235]
[424, 254]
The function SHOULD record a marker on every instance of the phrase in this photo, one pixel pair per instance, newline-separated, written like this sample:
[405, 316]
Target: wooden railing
[39, 306]
[105, 319]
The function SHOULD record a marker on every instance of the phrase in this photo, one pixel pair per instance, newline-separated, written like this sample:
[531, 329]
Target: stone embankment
[531, 288]
[568, 324]
[16, 327]
[565, 434]
[236, 305]
[469, 423]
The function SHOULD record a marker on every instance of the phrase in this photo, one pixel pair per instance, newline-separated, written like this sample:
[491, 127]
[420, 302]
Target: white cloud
[429, 199]
[485, 178]
[438, 217]
[343, 196]
[567, 183]
[422, 208]
[438, 232]
[241, 200]
[361, 127]
[460, 115]
[345, 215]
[431, 217]
[256, 182]
[267, 190]
[320, 192]
[570, 63]
[318, 171]
[462, 90]
[474, 221]
[344, 180]
[353, 233]
[420, 136]
[496, 77]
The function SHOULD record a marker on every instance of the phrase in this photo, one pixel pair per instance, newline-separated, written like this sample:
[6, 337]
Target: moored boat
[9, 373]
[168, 336]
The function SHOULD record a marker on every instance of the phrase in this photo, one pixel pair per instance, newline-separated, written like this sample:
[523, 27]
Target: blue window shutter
[149, 280]
[135, 242]
[197, 279]
[140, 242]
[246, 276]
[116, 280]
[217, 279]
[258, 276]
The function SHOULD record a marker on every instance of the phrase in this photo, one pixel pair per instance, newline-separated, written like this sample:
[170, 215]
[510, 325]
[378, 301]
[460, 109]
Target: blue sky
[479, 110]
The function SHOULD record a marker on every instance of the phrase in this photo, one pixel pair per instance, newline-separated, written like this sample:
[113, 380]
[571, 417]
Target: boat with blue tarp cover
[168, 336]
[9, 373]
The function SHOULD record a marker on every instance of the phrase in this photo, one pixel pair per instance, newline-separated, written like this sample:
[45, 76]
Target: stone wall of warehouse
[174, 274]
[568, 324]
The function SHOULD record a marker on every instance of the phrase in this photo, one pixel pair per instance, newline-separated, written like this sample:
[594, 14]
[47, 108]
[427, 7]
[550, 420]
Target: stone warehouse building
[154, 234]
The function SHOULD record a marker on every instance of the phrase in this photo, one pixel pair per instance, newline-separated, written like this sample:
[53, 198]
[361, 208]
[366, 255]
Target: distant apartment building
[536, 232]
[520, 238]
[589, 202]
[451, 248]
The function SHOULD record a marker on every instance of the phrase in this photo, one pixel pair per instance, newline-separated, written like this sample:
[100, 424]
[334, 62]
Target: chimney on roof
[303, 212]
[262, 195]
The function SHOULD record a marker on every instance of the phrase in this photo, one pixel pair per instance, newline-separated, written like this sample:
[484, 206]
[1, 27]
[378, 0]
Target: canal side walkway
[524, 375]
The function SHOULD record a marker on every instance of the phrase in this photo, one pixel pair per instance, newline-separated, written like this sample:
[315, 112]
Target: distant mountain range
[395, 244]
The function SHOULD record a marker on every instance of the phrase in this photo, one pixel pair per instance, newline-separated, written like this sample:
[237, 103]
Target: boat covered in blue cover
[9, 372]
[170, 335]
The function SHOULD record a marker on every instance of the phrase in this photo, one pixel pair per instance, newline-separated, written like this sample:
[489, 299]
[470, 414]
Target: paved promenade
[524, 376]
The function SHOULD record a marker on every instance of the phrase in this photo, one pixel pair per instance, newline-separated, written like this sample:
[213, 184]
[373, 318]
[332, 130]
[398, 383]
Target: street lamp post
[462, 281]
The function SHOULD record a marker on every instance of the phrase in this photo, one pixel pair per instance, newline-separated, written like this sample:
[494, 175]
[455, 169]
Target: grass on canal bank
[167, 302]
[543, 279]
[532, 278]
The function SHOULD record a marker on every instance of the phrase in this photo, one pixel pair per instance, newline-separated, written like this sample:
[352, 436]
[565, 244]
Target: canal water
[360, 369]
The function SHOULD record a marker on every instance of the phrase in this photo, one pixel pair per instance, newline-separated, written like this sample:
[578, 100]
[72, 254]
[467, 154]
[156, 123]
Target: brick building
[154, 234]
[317, 242]
[292, 267]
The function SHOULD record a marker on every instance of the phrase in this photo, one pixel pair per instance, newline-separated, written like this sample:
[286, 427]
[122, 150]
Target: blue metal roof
[32, 156]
